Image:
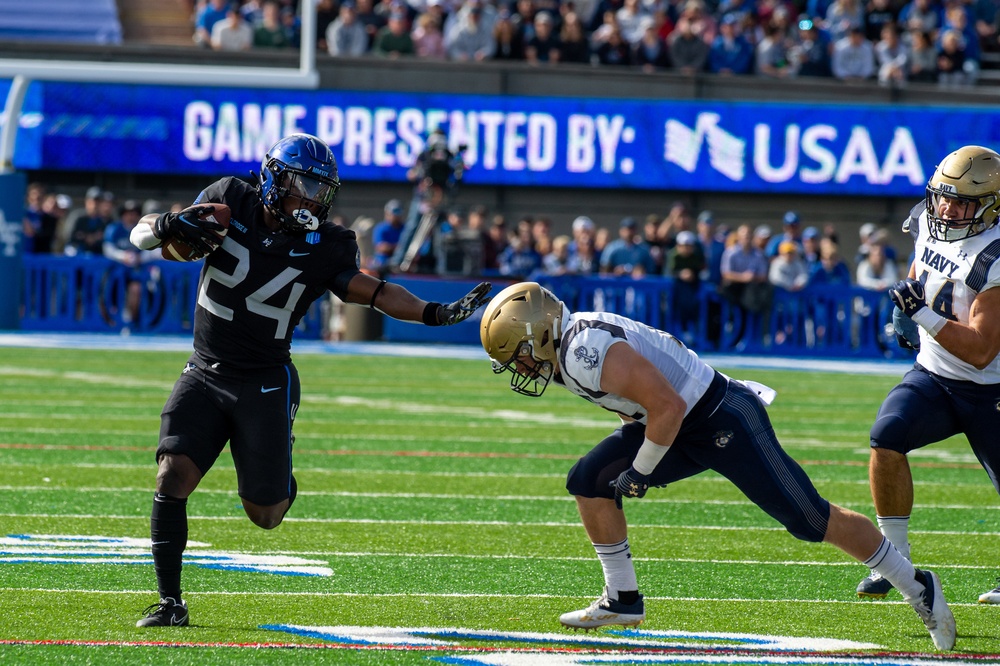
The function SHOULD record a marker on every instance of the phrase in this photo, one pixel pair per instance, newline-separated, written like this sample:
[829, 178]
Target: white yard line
[457, 523]
[450, 496]
[458, 595]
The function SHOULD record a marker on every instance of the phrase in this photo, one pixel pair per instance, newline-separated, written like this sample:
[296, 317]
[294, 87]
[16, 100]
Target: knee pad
[588, 479]
[890, 432]
[804, 529]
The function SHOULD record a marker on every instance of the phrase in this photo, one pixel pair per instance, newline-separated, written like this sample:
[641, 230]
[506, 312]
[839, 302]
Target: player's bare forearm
[399, 303]
[392, 299]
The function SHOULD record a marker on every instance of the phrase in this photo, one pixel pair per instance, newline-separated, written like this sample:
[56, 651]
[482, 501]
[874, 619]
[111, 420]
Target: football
[175, 249]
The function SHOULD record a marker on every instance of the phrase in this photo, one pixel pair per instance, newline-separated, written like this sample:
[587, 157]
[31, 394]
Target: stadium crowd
[744, 262]
[891, 41]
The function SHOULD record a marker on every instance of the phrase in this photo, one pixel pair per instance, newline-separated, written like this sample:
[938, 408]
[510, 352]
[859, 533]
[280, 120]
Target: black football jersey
[256, 287]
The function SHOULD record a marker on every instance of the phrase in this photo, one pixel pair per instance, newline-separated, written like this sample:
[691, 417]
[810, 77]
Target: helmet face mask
[529, 375]
[520, 331]
[298, 182]
[963, 195]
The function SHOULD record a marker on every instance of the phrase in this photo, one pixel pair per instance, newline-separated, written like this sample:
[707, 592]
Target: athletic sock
[168, 531]
[896, 569]
[619, 573]
[896, 530]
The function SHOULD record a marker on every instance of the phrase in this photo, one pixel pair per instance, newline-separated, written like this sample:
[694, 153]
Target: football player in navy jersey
[280, 254]
[679, 417]
[954, 386]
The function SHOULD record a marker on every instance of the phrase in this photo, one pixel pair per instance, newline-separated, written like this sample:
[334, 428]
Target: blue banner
[12, 187]
[853, 149]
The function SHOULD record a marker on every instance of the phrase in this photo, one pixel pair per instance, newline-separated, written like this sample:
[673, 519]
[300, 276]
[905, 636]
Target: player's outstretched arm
[399, 303]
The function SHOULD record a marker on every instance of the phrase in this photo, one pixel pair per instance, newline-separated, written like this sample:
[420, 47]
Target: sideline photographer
[437, 174]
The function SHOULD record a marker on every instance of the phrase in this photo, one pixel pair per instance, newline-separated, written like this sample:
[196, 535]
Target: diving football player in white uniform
[679, 417]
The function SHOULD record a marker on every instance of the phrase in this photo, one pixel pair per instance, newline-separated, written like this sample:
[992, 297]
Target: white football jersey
[584, 346]
[953, 275]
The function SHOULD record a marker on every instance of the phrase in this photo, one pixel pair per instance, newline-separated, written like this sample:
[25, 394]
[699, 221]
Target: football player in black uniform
[280, 254]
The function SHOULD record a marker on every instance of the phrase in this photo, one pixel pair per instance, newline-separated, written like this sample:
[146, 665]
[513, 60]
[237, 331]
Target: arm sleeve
[142, 237]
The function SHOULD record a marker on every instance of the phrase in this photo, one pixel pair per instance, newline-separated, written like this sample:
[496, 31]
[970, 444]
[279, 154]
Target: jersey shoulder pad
[911, 224]
[583, 358]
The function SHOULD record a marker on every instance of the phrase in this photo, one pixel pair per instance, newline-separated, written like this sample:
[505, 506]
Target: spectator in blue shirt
[386, 234]
[213, 12]
[712, 246]
[118, 247]
[791, 231]
[811, 52]
[744, 281]
[810, 247]
[628, 254]
[730, 53]
[520, 258]
[830, 269]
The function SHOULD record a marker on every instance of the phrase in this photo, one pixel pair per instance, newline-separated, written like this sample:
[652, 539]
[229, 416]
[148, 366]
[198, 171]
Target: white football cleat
[603, 612]
[991, 597]
[934, 611]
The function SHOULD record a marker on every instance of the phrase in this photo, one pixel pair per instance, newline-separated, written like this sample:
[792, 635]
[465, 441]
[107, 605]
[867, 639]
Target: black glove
[629, 483]
[188, 226]
[907, 334]
[463, 308]
[908, 295]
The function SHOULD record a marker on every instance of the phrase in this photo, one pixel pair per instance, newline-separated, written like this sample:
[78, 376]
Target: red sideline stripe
[864, 656]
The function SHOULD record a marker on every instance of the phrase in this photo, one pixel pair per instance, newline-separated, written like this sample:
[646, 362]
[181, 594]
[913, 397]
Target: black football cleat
[167, 613]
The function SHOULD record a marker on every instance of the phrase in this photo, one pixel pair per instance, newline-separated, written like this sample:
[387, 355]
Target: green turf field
[430, 495]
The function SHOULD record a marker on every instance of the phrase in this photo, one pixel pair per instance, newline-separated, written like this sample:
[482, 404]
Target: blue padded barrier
[87, 294]
[822, 320]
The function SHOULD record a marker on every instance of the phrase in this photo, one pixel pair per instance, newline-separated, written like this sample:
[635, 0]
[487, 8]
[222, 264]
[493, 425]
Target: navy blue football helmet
[299, 167]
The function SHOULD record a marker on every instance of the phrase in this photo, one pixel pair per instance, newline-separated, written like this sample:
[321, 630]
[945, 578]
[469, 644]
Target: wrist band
[929, 320]
[649, 456]
[371, 303]
[431, 314]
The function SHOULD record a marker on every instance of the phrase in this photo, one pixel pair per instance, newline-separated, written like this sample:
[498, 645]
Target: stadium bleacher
[60, 21]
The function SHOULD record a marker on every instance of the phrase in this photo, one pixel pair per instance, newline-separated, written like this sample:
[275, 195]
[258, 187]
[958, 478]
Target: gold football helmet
[963, 195]
[520, 331]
